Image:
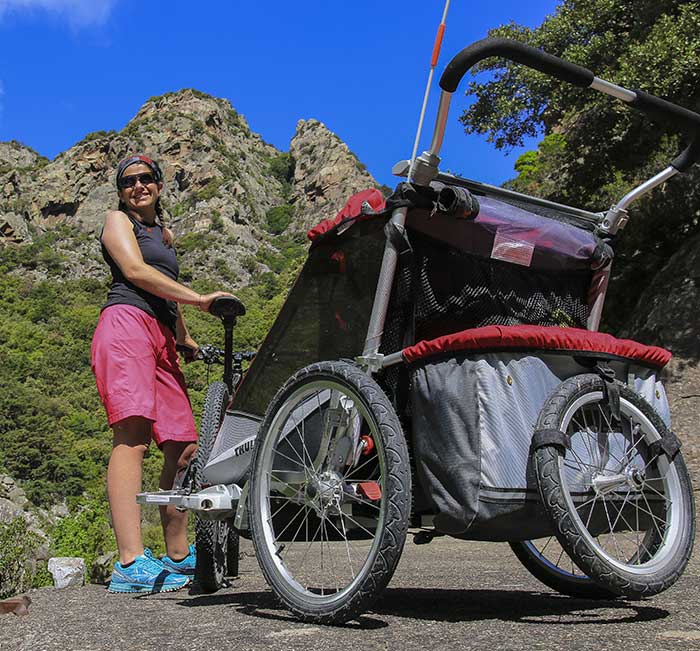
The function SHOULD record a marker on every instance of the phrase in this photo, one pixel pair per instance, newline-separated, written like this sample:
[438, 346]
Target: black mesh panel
[457, 290]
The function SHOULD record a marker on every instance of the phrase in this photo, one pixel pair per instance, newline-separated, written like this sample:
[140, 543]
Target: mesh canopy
[325, 316]
[449, 282]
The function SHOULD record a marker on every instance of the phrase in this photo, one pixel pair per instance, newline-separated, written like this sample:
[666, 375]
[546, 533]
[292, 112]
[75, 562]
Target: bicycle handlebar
[211, 355]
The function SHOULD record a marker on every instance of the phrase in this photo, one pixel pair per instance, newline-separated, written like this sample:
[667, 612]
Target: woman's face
[140, 194]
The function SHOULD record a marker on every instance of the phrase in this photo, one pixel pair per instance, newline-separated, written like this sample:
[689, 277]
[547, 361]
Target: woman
[139, 378]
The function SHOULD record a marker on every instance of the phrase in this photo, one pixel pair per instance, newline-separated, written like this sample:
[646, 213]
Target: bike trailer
[475, 399]
[437, 364]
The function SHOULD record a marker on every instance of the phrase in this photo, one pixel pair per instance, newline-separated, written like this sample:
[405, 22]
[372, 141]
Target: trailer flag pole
[433, 63]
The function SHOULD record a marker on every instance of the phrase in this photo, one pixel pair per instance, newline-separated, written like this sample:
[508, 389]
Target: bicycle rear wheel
[211, 536]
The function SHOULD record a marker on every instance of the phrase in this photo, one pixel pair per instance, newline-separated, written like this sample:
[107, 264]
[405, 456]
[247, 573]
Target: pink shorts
[138, 373]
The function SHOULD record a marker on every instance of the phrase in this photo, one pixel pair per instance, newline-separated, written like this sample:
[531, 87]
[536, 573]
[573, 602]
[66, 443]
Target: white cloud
[79, 13]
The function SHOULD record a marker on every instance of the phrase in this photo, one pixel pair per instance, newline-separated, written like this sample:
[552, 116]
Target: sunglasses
[130, 181]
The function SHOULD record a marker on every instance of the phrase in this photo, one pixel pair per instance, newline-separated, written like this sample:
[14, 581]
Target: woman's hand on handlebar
[205, 300]
[189, 349]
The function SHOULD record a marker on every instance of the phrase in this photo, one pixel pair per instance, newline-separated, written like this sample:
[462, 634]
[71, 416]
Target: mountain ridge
[222, 180]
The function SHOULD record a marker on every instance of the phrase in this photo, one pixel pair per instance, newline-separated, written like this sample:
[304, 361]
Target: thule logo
[245, 447]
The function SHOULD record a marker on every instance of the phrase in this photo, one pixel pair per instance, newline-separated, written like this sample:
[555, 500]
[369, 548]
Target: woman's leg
[131, 437]
[174, 522]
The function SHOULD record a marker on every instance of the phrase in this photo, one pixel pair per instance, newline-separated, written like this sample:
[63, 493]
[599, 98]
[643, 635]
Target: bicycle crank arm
[216, 502]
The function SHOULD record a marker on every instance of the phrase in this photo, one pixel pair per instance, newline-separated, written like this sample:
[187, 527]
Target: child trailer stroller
[453, 380]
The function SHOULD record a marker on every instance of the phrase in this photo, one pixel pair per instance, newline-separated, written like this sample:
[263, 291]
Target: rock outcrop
[668, 315]
[17, 165]
[326, 173]
[219, 184]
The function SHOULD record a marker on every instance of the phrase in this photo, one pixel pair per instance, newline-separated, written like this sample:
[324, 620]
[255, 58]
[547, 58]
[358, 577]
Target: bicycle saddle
[227, 307]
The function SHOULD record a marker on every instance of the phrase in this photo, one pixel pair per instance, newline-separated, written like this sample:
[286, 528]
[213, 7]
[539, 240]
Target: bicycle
[216, 542]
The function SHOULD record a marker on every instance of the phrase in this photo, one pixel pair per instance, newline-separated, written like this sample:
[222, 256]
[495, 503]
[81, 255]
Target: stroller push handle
[689, 156]
[515, 51]
[682, 118]
[425, 167]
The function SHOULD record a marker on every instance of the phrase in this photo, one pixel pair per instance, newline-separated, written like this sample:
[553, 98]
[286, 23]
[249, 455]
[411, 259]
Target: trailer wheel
[547, 561]
[328, 511]
[619, 494]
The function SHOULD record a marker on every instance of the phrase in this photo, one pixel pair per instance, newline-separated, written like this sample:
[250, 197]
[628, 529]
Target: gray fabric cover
[473, 420]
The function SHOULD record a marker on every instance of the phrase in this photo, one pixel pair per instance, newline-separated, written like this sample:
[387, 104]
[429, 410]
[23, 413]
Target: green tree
[603, 148]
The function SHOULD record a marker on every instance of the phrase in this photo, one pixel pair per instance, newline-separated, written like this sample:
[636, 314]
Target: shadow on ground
[454, 605]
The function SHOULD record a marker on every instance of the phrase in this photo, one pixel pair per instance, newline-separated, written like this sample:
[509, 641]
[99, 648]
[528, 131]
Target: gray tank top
[158, 255]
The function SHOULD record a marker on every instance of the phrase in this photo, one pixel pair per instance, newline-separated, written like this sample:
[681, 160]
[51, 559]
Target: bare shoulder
[117, 226]
[115, 216]
[116, 220]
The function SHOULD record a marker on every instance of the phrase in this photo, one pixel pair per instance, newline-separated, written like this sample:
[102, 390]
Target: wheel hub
[631, 478]
[635, 477]
[324, 493]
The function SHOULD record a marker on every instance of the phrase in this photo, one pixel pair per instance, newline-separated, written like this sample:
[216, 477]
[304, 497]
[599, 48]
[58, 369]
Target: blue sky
[69, 67]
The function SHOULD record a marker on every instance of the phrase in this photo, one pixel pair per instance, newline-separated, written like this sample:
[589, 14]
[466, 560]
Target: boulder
[9, 510]
[67, 571]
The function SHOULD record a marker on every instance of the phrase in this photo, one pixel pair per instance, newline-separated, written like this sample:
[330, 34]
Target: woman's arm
[119, 240]
[183, 338]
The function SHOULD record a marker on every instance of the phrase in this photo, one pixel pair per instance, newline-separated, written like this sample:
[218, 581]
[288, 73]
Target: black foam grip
[514, 51]
[689, 156]
[682, 118]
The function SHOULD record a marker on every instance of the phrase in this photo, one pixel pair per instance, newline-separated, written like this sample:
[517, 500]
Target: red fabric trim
[352, 208]
[493, 338]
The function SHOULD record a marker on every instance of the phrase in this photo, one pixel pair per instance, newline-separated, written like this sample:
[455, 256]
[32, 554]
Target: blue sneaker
[185, 566]
[146, 574]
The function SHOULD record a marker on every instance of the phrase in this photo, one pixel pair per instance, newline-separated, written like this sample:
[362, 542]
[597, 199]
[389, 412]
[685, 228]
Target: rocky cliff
[668, 315]
[326, 172]
[221, 183]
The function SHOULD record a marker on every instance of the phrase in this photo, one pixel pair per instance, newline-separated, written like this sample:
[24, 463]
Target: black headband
[139, 158]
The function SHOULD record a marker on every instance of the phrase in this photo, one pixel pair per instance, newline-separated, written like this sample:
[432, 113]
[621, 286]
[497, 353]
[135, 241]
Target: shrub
[193, 242]
[209, 191]
[86, 534]
[217, 224]
[17, 544]
[282, 168]
[279, 217]
[226, 273]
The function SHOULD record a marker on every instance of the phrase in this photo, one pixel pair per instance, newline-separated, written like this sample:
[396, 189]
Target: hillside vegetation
[239, 209]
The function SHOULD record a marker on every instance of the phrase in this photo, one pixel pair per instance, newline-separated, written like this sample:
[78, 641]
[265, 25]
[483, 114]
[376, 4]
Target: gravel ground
[449, 594]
